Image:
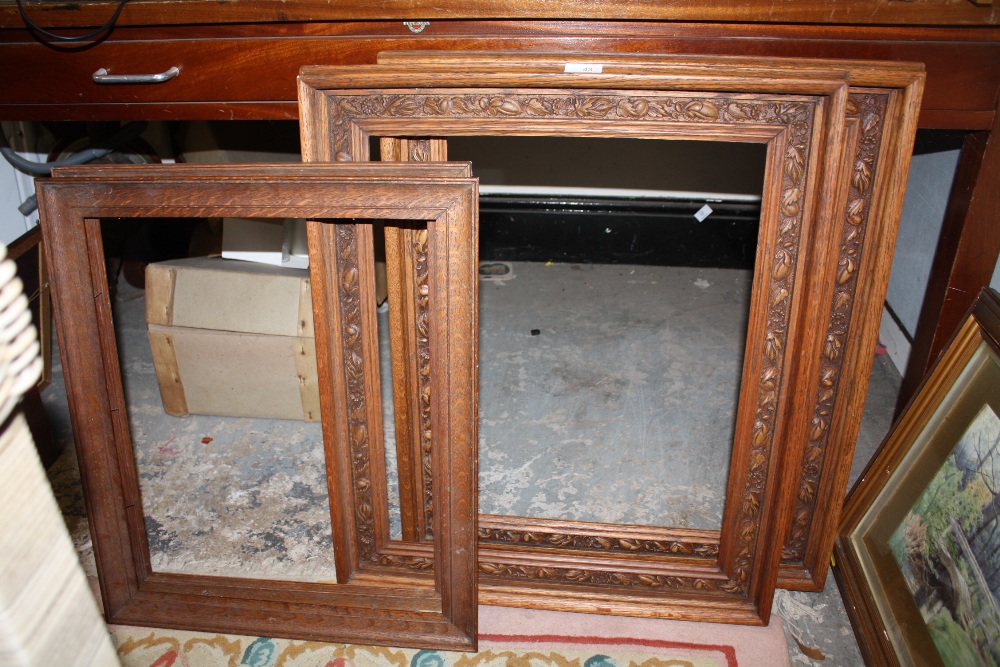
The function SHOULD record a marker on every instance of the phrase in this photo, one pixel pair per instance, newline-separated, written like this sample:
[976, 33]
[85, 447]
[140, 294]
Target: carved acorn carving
[791, 202]
[770, 379]
[795, 163]
[783, 264]
[633, 108]
[862, 177]
[490, 568]
[349, 280]
[560, 540]
[760, 434]
[437, 106]
[847, 269]
[352, 334]
[828, 377]
[620, 579]
[701, 110]
[856, 211]
[831, 350]
[817, 429]
[773, 345]
[501, 106]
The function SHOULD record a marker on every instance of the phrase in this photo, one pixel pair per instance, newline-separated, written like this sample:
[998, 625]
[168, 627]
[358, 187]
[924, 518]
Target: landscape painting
[948, 548]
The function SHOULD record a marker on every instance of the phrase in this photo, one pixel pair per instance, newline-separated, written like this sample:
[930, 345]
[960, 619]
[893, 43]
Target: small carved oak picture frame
[420, 607]
[726, 575]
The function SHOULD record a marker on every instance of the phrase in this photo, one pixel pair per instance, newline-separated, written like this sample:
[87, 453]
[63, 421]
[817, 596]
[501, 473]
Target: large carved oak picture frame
[850, 274]
[726, 575]
[881, 118]
[369, 604]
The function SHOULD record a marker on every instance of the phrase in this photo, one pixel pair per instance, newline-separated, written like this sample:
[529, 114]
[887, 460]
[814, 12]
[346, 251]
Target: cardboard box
[232, 338]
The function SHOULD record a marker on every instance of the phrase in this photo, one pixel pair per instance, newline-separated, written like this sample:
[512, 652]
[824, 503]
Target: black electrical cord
[108, 25]
[126, 134]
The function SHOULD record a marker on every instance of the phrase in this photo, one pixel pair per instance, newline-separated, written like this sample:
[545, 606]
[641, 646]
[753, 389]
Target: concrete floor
[608, 392]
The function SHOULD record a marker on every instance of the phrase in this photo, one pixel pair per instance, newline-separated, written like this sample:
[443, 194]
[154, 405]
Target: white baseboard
[896, 344]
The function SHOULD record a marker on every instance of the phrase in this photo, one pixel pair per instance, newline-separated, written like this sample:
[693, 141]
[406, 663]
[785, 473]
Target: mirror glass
[219, 372]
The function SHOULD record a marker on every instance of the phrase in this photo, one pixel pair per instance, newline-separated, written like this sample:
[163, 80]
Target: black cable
[126, 134]
[76, 38]
[28, 206]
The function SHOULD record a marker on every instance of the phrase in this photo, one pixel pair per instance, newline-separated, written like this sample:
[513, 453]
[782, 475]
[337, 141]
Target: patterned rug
[143, 647]
[560, 640]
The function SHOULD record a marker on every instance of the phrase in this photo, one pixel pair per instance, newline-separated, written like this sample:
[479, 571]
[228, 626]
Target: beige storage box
[232, 338]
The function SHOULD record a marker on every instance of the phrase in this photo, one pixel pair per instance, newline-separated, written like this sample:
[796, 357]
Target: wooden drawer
[254, 76]
[210, 70]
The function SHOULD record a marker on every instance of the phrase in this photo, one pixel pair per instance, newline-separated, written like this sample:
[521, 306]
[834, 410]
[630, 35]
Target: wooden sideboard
[239, 60]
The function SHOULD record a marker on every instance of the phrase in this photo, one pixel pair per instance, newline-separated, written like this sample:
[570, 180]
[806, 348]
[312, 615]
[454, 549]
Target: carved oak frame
[420, 609]
[880, 123]
[726, 575]
[881, 118]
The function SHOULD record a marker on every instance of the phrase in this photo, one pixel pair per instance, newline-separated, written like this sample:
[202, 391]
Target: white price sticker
[584, 68]
[703, 213]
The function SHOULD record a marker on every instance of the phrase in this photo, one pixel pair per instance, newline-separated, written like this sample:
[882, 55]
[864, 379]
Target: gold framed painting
[917, 557]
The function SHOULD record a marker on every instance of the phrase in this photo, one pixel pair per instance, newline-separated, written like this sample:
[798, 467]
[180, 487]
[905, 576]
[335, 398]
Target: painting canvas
[918, 555]
[948, 548]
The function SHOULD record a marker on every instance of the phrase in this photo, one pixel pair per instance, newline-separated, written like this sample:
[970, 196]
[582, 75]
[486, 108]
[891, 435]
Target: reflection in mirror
[613, 315]
[219, 373]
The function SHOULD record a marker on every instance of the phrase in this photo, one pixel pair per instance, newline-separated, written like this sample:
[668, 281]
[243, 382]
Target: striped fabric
[48, 617]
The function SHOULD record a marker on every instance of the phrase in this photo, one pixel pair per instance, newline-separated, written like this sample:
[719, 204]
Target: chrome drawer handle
[102, 76]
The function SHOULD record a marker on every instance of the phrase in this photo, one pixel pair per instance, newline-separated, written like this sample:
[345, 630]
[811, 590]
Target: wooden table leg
[966, 254]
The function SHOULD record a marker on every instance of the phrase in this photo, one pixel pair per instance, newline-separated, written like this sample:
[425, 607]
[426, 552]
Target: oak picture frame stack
[837, 136]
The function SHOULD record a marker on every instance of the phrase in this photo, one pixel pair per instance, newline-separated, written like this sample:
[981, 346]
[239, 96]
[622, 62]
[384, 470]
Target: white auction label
[584, 68]
[703, 213]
